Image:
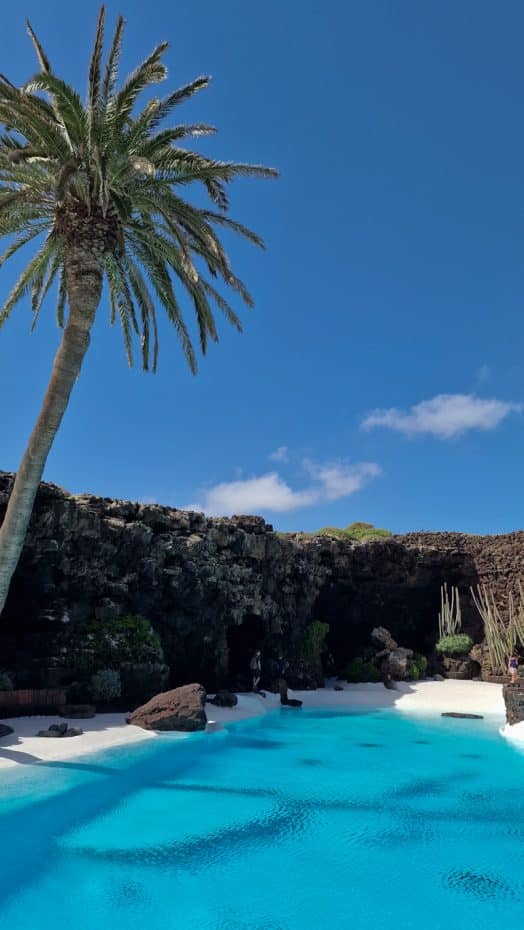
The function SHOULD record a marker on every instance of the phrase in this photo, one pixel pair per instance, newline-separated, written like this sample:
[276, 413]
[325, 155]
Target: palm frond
[223, 305]
[158, 274]
[61, 298]
[41, 55]
[147, 312]
[122, 302]
[178, 96]
[119, 107]
[234, 226]
[53, 269]
[93, 92]
[67, 104]
[111, 73]
[26, 279]
[19, 243]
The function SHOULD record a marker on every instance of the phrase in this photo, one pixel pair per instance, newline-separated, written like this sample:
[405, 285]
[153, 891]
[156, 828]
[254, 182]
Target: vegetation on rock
[457, 645]
[105, 686]
[6, 682]
[360, 670]
[105, 644]
[418, 667]
[359, 532]
[312, 644]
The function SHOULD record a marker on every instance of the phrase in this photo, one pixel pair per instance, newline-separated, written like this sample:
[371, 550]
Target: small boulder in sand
[5, 730]
[180, 709]
[59, 731]
[225, 699]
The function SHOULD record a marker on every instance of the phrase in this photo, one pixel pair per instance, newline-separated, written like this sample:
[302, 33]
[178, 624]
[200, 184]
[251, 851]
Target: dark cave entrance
[243, 640]
[409, 613]
[408, 609]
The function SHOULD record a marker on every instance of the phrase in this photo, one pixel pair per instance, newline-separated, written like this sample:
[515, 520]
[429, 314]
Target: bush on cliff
[6, 682]
[418, 667]
[313, 641]
[359, 670]
[102, 644]
[457, 645]
[359, 532]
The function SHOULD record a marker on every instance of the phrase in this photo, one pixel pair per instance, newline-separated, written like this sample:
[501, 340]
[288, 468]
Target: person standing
[282, 683]
[256, 669]
[513, 668]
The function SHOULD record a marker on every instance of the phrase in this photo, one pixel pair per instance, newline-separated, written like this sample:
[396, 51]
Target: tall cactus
[501, 637]
[450, 617]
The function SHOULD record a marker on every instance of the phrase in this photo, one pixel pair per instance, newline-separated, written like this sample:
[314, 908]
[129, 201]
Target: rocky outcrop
[225, 699]
[461, 667]
[60, 731]
[180, 709]
[514, 699]
[383, 639]
[217, 589]
[393, 662]
[399, 663]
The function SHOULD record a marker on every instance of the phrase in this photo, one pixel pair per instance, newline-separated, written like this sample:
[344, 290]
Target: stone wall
[215, 589]
[514, 700]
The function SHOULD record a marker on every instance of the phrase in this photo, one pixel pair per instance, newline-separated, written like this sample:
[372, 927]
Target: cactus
[449, 618]
[501, 637]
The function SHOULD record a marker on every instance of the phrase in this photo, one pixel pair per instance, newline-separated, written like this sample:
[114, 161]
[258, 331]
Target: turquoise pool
[299, 821]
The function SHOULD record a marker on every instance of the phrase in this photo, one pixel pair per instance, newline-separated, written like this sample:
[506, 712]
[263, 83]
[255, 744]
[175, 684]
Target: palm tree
[99, 188]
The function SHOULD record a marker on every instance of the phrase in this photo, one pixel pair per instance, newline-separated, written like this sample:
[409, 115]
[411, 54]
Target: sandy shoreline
[109, 730]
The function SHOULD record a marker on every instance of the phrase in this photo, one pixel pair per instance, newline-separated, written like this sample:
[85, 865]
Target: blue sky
[381, 375]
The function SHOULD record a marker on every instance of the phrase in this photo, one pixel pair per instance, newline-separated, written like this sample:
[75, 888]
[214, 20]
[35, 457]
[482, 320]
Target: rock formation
[217, 589]
[180, 709]
[514, 700]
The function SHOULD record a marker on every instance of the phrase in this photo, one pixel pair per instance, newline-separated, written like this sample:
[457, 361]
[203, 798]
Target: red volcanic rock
[180, 709]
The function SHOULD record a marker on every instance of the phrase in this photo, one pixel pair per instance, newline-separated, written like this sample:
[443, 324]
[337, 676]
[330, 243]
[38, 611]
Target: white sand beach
[109, 730]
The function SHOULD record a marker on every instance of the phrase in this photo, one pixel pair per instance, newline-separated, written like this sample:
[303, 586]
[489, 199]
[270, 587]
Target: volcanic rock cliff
[215, 589]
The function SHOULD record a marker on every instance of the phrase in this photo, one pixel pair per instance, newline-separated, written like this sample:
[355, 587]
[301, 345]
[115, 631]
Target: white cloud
[340, 479]
[269, 492]
[280, 455]
[444, 416]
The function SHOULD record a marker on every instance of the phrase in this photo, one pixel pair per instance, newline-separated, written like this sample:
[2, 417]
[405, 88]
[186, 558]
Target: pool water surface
[301, 820]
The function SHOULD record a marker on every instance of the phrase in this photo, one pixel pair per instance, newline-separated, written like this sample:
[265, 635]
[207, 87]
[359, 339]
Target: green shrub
[359, 532]
[105, 686]
[359, 670]
[6, 682]
[336, 531]
[101, 644]
[312, 644]
[363, 531]
[420, 664]
[458, 645]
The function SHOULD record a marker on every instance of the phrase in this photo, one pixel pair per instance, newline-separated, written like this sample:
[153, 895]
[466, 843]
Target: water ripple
[480, 885]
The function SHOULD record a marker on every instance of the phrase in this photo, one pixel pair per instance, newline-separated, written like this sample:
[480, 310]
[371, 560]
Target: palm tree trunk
[84, 287]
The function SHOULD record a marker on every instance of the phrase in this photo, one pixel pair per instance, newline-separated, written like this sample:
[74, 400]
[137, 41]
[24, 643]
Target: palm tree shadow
[27, 758]
[23, 758]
